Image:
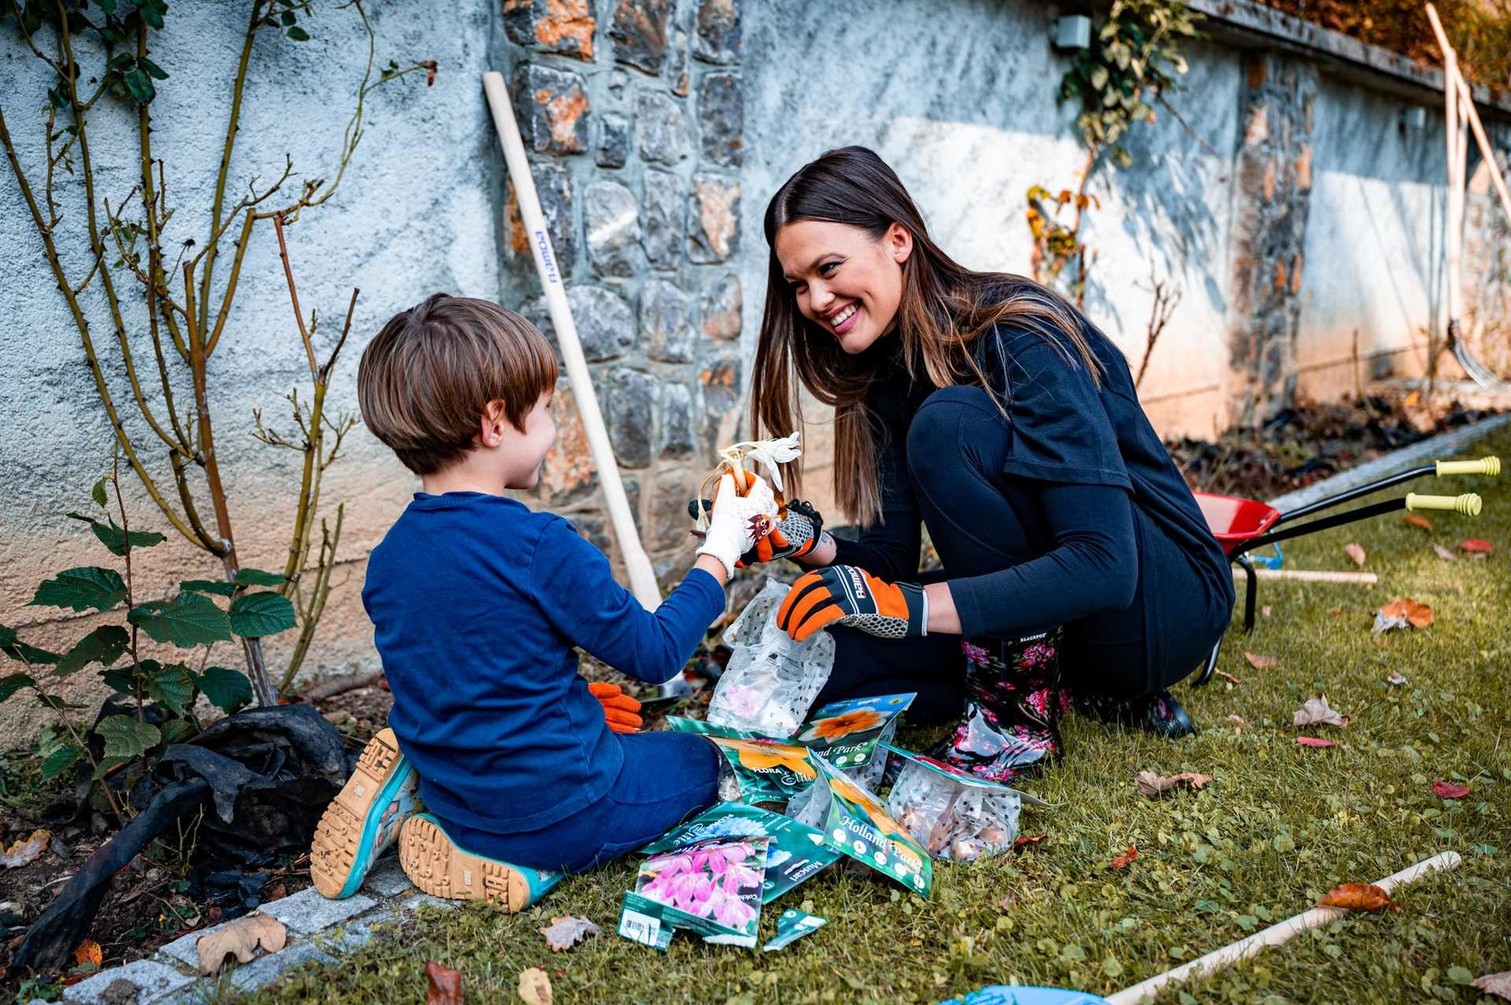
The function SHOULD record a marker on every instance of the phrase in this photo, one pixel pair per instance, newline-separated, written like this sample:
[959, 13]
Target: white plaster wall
[415, 213]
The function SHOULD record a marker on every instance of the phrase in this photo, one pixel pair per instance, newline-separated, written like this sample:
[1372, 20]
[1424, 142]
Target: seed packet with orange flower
[768, 771]
[845, 733]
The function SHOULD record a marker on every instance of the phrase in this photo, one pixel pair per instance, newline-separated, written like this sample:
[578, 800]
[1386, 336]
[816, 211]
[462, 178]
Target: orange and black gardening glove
[620, 711]
[794, 537]
[851, 596]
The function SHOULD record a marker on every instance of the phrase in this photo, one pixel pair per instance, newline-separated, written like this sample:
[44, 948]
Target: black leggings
[982, 521]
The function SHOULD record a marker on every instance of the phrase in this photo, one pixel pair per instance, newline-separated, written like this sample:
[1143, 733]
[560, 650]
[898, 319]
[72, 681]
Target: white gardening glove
[737, 521]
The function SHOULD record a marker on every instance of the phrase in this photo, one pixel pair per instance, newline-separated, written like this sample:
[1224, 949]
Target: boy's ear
[491, 424]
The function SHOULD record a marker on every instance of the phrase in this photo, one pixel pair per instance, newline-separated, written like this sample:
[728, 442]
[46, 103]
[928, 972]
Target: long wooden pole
[1466, 97]
[636, 563]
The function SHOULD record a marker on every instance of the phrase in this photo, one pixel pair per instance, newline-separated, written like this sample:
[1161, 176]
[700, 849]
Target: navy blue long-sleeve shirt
[477, 603]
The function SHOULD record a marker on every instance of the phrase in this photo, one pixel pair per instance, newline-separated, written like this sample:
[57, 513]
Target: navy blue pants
[980, 521]
[666, 778]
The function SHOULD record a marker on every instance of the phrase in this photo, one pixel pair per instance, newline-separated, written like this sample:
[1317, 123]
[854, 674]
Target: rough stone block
[721, 304]
[605, 324]
[553, 186]
[358, 933]
[552, 106]
[639, 31]
[569, 471]
[560, 26]
[721, 400]
[716, 38]
[715, 212]
[632, 416]
[266, 969]
[676, 65]
[669, 523]
[613, 141]
[658, 122]
[680, 421]
[150, 978]
[663, 211]
[386, 879]
[665, 317]
[307, 911]
[613, 224]
[423, 900]
[721, 114]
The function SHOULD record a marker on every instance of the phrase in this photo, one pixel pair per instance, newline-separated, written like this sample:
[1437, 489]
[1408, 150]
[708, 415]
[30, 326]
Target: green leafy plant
[155, 699]
[1059, 258]
[149, 277]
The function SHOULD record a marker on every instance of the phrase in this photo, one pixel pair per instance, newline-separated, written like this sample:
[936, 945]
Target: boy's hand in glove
[848, 595]
[620, 711]
[737, 520]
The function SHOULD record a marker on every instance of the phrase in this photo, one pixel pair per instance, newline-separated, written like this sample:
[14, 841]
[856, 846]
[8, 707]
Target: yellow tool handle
[1484, 466]
[1468, 504]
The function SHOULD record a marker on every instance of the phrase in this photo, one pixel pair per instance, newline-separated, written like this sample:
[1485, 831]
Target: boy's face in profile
[525, 452]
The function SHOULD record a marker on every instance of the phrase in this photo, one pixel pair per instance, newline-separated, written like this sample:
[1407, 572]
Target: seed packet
[770, 680]
[845, 733]
[955, 815]
[712, 888]
[795, 852]
[768, 770]
[791, 926]
[853, 821]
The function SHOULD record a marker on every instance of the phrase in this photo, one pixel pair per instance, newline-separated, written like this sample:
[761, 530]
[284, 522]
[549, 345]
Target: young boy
[476, 604]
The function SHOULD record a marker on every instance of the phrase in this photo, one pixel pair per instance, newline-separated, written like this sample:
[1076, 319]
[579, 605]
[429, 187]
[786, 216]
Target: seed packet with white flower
[795, 853]
[712, 888]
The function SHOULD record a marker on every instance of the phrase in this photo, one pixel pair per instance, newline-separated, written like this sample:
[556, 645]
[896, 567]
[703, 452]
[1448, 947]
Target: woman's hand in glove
[795, 537]
[851, 596]
[620, 711]
[737, 520]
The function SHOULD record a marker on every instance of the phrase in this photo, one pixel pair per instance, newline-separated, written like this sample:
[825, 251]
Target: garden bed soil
[149, 904]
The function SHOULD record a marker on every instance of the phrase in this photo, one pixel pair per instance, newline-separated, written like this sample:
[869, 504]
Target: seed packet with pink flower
[712, 888]
[796, 851]
[846, 732]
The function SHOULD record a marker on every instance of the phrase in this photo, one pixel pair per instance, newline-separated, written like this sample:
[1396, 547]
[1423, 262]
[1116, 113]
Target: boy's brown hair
[429, 375]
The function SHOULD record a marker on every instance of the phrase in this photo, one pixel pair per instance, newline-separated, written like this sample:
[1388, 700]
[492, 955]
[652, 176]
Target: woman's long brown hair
[945, 308]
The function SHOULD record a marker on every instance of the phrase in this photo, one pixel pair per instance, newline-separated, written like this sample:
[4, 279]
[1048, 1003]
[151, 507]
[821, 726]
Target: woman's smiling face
[844, 280]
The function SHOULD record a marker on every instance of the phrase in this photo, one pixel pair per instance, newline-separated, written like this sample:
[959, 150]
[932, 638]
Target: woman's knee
[954, 427]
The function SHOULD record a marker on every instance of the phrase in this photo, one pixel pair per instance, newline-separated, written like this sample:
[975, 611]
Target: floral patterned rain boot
[1013, 702]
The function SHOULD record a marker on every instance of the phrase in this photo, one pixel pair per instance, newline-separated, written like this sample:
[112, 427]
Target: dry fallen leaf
[445, 985]
[565, 932]
[240, 938]
[1238, 722]
[1476, 547]
[1495, 984]
[1354, 552]
[535, 986]
[24, 851]
[1450, 790]
[1267, 610]
[1259, 662]
[88, 953]
[1395, 679]
[1401, 612]
[1317, 712]
[1027, 840]
[1444, 553]
[1230, 678]
[1121, 862]
[1313, 741]
[1154, 786]
[1358, 897]
[1417, 520]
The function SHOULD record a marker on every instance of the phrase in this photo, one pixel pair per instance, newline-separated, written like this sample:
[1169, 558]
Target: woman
[988, 409]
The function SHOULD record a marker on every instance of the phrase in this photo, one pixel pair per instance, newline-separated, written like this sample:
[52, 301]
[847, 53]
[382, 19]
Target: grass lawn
[1278, 827]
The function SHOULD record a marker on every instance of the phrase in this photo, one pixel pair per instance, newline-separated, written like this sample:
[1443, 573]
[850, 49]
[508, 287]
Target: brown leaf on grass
[1238, 722]
[1358, 897]
[25, 850]
[1476, 547]
[1495, 984]
[445, 984]
[1027, 840]
[535, 986]
[240, 938]
[565, 932]
[88, 953]
[1417, 520]
[1444, 553]
[1153, 786]
[1317, 712]
[1267, 610]
[1400, 612]
[1313, 741]
[1450, 790]
[1230, 678]
[1121, 861]
[1354, 552]
[1396, 679]
[1259, 662]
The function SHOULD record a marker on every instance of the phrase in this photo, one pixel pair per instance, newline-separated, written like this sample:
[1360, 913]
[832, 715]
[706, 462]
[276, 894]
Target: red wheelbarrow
[1242, 526]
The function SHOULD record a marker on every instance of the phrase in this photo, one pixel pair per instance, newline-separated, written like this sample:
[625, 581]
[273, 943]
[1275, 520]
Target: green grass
[1279, 827]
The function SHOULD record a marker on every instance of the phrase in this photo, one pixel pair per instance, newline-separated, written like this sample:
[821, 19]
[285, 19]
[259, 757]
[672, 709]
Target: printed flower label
[845, 733]
[853, 822]
[791, 926]
[796, 851]
[712, 888]
[769, 771]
